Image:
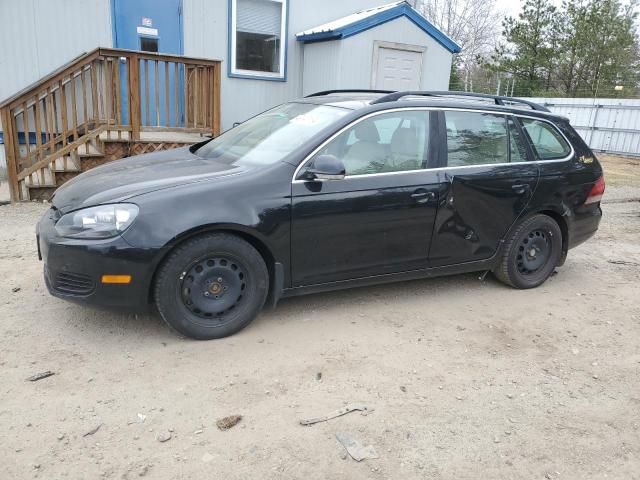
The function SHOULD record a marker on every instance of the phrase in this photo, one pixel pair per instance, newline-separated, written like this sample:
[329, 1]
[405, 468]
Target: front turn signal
[121, 279]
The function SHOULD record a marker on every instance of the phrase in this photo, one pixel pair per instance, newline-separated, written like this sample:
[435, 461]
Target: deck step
[68, 163]
[36, 192]
[89, 149]
[113, 137]
[92, 154]
[45, 185]
[44, 177]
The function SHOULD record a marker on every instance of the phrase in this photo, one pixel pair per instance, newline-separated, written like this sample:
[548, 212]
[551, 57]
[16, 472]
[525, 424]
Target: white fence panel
[609, 125]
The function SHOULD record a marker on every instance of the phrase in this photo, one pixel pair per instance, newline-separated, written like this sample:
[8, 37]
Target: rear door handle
[520, 188]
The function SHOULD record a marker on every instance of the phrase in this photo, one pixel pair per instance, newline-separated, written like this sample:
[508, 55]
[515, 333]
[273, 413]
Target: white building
[271, 50]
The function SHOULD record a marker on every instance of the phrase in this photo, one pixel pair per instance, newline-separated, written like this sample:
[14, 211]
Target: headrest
[367, 132]
[404, 141]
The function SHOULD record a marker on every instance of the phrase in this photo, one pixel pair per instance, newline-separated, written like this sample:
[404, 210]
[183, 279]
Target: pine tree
[529, 52]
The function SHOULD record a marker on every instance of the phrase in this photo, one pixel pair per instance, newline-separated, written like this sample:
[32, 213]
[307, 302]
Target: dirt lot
[621, 171]
[467, 379]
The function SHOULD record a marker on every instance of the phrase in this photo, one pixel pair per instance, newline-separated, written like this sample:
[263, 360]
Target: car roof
[364, 99]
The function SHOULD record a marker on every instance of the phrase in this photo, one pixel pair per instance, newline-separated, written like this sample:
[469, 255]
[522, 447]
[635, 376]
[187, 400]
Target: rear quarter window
[547, 141]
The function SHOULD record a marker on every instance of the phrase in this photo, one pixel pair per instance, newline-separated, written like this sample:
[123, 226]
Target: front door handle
[521, 188]
[423, 196]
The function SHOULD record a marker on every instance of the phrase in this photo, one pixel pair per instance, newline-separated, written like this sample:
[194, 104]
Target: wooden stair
[40, 181]
[42, 184]
[72, 119]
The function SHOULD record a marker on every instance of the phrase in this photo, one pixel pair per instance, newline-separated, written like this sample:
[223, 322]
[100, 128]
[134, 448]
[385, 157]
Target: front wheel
[531, 254]
[211, 286]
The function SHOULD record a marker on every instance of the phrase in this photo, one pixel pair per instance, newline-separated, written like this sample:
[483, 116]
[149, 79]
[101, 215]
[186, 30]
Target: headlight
[103, 221]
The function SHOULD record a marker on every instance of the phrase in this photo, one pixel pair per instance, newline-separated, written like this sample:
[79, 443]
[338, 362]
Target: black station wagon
[335, 190]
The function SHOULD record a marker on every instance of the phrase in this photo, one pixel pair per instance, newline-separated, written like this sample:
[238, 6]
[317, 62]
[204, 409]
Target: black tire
[211, 286]
[531, 254]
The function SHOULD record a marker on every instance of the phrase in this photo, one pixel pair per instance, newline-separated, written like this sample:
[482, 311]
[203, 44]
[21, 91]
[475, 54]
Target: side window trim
[436, 134]
[531, 155]
[429, 137]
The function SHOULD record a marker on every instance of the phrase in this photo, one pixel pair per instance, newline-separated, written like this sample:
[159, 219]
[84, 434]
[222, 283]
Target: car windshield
[269, 137]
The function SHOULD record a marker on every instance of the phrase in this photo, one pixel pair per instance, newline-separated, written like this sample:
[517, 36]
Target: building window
[148, 44]
[258, 38]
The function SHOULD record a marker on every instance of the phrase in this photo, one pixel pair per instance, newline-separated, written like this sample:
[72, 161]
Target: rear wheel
[211, 286]
[531, 254]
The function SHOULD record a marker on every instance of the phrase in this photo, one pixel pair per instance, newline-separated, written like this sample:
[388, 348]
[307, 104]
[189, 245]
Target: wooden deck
[105, 104]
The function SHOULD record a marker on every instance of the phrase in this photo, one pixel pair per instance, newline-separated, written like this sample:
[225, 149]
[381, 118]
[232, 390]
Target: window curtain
[259, 16]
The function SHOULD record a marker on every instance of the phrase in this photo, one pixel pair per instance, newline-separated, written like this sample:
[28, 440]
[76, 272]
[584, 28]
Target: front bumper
[73, 268]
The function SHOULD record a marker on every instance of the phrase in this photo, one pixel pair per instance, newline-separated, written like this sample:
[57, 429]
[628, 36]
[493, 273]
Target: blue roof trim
[402, 10]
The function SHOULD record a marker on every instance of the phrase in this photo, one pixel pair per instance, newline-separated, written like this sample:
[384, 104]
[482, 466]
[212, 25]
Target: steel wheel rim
[213, 286]
[534, 252]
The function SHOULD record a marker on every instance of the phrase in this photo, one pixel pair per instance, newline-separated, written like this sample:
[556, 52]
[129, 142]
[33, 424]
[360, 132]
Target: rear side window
[546, 140]
[476, 138]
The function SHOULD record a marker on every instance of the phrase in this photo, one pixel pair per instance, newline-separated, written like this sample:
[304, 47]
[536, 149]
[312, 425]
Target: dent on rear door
[476, 209]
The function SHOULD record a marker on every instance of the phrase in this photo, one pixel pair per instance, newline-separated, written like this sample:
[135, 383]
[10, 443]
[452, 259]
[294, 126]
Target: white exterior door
[397, 69]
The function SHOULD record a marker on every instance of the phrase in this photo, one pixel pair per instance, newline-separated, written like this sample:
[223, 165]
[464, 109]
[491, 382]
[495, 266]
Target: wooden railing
[117, 93]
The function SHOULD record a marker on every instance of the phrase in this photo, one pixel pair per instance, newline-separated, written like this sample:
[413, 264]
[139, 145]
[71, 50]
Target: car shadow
[149, 324]
[451, 285]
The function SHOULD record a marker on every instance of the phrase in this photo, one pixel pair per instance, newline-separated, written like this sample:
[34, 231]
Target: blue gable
[384, 16]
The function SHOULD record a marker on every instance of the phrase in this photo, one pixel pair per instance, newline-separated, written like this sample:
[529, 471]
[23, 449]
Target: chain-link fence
[507, 85]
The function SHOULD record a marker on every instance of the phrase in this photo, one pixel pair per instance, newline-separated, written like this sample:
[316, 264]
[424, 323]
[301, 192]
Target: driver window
[390, 142]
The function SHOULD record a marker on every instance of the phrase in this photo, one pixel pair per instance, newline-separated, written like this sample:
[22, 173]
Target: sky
[512, 7]
[509, 7]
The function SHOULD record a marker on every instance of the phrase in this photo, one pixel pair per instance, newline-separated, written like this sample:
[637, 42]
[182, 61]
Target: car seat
[366, 155]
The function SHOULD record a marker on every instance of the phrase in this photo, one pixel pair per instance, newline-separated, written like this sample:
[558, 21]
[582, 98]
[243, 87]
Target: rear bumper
[73, 268]
[584, 224]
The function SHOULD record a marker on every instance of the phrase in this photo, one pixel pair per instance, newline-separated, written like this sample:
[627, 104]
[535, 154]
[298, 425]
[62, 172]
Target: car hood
[122, 179]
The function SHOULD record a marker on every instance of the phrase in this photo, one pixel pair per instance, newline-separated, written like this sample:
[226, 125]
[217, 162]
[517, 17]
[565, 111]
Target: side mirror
[326, 167]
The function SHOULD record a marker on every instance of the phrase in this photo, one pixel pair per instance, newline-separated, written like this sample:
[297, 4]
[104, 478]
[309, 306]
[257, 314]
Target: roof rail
[499, 100]
[352, 90]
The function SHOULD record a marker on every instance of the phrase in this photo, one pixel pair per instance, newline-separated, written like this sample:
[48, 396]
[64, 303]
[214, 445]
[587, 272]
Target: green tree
[612, 52]
[598, 48]
[530, 41]
[584, 48]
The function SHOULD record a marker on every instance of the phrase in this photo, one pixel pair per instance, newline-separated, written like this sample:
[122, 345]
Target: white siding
[43, 35]
[348, 63]
[39, 36]
[323, 67]
[206, 35]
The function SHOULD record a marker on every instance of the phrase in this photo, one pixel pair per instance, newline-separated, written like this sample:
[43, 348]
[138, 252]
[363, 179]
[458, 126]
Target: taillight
[595, 195]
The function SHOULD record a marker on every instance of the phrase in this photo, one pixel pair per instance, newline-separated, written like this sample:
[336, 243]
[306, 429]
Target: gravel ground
[467, 378]
[621, 171]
